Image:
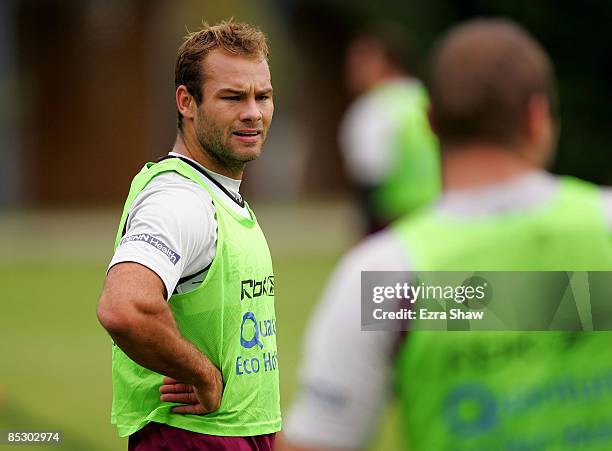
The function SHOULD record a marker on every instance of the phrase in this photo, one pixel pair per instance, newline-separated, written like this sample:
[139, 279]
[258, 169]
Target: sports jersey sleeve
[366, 140]
[345, 373]
[170, 229]
[606, 195]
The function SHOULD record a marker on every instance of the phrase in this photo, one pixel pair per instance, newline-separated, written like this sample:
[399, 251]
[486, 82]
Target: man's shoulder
[371, 105]
[606, 199]
[173, 187]
[587, 189]
[381, 251]
[171, 178]
[171, 198]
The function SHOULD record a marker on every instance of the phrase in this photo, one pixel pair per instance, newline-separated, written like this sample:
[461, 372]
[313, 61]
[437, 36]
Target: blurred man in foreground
[189, 292]
[493, 105]
[389, 150]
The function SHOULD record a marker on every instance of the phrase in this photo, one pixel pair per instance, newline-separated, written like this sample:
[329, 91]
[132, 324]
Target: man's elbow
[116, 321]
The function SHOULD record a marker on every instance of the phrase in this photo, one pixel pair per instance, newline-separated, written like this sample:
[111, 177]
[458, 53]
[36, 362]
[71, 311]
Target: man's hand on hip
[200, 399]
[133, 309]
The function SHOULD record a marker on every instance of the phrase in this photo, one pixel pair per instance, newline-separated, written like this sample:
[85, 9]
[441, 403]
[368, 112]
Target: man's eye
[263, 97]
[233, 98]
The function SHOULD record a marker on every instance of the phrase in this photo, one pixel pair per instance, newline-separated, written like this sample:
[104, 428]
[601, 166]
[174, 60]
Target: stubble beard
[215, 144]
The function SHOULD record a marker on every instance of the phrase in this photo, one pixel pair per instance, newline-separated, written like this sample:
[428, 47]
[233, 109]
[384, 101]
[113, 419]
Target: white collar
[230, 184]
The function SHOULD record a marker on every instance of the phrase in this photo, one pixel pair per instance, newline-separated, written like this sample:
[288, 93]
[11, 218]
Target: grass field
[56, 358]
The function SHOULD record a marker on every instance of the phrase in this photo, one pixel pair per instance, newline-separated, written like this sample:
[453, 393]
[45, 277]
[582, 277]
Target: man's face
[365, 65]
[232, 121]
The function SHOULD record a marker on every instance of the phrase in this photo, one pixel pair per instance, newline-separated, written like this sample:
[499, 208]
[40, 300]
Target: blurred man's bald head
[483, 75]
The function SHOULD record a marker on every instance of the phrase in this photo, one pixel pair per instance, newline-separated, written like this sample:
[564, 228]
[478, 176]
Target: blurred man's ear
[185, 103]
[540, 130]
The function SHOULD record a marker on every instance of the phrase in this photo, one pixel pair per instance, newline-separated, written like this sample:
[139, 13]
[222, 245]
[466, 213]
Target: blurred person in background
[493, 107]
[191, 282]
[389, 150]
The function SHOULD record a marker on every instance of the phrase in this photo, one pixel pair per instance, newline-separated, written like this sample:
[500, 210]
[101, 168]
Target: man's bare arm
[134, 311]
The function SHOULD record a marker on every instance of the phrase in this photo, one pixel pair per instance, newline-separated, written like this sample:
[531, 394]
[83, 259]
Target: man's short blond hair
[237, 38]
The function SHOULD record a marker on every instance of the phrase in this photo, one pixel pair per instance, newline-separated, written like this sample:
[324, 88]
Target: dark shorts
[161, 437]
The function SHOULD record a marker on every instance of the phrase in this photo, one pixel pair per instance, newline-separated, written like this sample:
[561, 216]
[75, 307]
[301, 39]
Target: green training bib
[229, 317]
[414, 179]
[514, 391]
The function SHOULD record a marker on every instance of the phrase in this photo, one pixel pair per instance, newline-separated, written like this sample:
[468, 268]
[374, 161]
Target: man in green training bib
[389, 151]
[493, 105]
[189, 294]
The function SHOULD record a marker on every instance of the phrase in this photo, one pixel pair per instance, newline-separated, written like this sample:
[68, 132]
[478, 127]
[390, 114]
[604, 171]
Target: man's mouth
[247, 132]
[247, 136]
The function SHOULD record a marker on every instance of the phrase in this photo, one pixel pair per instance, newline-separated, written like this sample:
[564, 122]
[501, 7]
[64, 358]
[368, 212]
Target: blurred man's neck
[476, 166]
[389, 75]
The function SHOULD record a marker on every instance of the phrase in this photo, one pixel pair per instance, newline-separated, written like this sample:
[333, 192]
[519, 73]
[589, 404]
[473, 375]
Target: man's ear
[537, 118]
[540, 130]
[185, 102]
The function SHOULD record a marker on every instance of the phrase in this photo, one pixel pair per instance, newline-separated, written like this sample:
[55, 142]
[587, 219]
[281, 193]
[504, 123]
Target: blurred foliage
[575, 34]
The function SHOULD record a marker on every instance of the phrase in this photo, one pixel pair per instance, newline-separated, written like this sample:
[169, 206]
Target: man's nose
[251, 111]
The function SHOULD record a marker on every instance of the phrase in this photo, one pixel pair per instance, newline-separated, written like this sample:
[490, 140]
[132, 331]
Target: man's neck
[470, 167]
[388, 76]
[191, 148]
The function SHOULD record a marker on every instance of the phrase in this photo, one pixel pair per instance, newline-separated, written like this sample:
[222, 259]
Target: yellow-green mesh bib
[229, 317]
